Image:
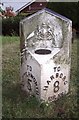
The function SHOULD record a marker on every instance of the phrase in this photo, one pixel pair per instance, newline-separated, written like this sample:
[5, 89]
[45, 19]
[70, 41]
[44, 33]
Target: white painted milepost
[45, 55]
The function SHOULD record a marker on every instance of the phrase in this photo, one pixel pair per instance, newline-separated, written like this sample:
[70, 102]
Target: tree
[67, 9]
[9, 12]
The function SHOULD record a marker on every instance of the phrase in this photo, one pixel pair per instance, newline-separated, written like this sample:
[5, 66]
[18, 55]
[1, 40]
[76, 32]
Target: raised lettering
[29, 68]
[29, 85]
[64, 78]
[48, 82]
[61, 75]
[55, 69]
[58, 69]
[65, 82]
[56, 86]
[57, 74]
[52, 77]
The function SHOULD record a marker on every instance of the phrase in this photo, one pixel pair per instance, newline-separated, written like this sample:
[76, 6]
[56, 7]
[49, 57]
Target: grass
[16, 104]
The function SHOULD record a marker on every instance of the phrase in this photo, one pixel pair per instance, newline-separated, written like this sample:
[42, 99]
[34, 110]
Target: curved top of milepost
[48, 11]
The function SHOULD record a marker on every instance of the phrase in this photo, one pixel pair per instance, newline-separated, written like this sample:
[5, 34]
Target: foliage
[67, 9]
[17, 104]
[10, 26]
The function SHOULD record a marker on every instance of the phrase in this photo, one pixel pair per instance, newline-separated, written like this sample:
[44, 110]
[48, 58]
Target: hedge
[10, 26]
[67, 9]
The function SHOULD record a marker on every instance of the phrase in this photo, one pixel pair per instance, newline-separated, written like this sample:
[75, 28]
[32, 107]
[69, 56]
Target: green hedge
[67, 9]
[10, 26]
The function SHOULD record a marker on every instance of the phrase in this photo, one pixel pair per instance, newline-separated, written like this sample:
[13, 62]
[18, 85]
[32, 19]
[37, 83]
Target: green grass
[16, 104]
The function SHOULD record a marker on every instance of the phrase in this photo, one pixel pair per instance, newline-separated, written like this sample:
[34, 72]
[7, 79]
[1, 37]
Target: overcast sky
[16, 4]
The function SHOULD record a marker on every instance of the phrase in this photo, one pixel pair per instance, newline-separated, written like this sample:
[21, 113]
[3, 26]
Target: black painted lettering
[55, 69]
[61, 75]
[29, 80]
[27, 74]
[54, 97]
[24, 75]
[36, 83]
[29, 68]
[48, 82]
[65, 82]
[51, 98]
[36, 87]
[56, 86]
[64, 78]
[57, 74]
[34, 79]
[37, 93]
[60, 94]
[45, 87]
[31, 76]
[58, 69]
[29, 85]
[22, 84]
[52, 77]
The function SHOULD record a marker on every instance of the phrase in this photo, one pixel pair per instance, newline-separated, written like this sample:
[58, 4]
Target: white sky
[16, 4]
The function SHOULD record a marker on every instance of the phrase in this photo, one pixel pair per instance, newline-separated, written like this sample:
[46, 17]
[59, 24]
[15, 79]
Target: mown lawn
[16, 104]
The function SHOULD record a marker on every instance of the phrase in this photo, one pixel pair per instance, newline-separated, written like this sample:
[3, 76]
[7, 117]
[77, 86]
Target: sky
[16, 4]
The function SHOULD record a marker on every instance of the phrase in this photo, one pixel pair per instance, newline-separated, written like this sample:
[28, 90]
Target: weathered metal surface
[45, 55]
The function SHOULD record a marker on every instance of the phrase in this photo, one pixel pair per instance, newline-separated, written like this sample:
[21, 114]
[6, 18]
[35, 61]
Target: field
[16, 104]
